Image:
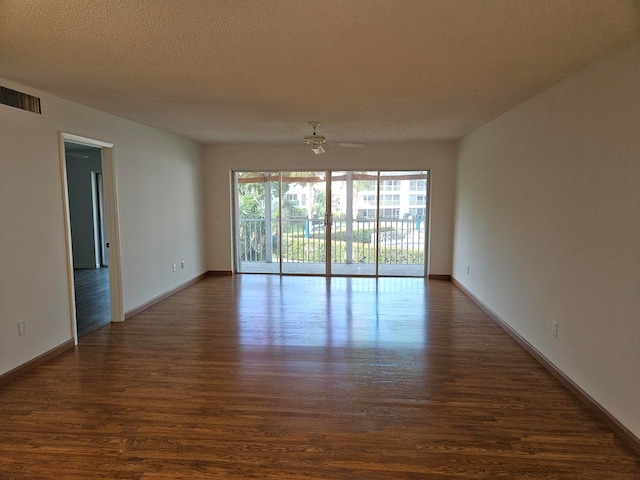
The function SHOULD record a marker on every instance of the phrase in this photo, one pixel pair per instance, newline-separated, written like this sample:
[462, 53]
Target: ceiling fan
[317, 142]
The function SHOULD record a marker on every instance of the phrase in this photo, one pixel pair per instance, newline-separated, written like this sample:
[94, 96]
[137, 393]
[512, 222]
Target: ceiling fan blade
[348, 145]
[287, 146]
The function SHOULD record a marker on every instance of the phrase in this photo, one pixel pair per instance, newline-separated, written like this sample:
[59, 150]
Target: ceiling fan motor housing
[314, 139]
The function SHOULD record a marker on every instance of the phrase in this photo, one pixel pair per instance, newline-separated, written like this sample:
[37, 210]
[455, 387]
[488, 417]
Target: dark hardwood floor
[92, 298]
[271, 377]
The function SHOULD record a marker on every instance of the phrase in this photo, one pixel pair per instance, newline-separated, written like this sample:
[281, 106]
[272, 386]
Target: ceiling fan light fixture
[317, 149]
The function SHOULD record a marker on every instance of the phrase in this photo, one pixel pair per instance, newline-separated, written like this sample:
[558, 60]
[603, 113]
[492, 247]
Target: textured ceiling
[226, 71]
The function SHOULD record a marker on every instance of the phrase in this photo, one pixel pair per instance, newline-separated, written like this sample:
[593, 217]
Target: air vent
[19, 100]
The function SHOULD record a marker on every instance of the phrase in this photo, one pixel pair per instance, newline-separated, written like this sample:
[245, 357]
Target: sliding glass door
[353, 223]
[303, 222]
[257, 226]
[350, 223]
[402, 211]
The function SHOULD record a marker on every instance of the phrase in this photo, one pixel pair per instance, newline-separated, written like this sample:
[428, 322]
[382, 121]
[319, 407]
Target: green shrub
[300, 249]
[359, 236]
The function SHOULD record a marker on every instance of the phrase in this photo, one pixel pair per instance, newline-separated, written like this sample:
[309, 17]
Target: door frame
[111, 221]
[99, 223]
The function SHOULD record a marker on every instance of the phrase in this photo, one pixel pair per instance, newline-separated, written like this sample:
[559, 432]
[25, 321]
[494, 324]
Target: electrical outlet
[554, 328]
[22, 328]
[173, 267]
[182, 264]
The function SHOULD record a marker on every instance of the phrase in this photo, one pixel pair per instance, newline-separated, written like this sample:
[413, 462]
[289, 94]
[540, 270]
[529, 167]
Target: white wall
[161, 217]
[548, 222]
[439, 158]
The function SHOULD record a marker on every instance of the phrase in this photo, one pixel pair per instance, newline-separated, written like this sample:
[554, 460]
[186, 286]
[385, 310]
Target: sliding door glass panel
[257, 224]
[353, 223]
[402, 214]
[303, 223]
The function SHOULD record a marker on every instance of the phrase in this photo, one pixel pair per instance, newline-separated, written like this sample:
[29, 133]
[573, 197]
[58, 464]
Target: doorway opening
[95, 290]
[88, 239]
[344, 223]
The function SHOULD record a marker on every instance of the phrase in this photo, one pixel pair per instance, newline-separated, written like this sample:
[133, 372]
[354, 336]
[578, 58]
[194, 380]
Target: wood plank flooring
[91, 286]
[270, 377]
